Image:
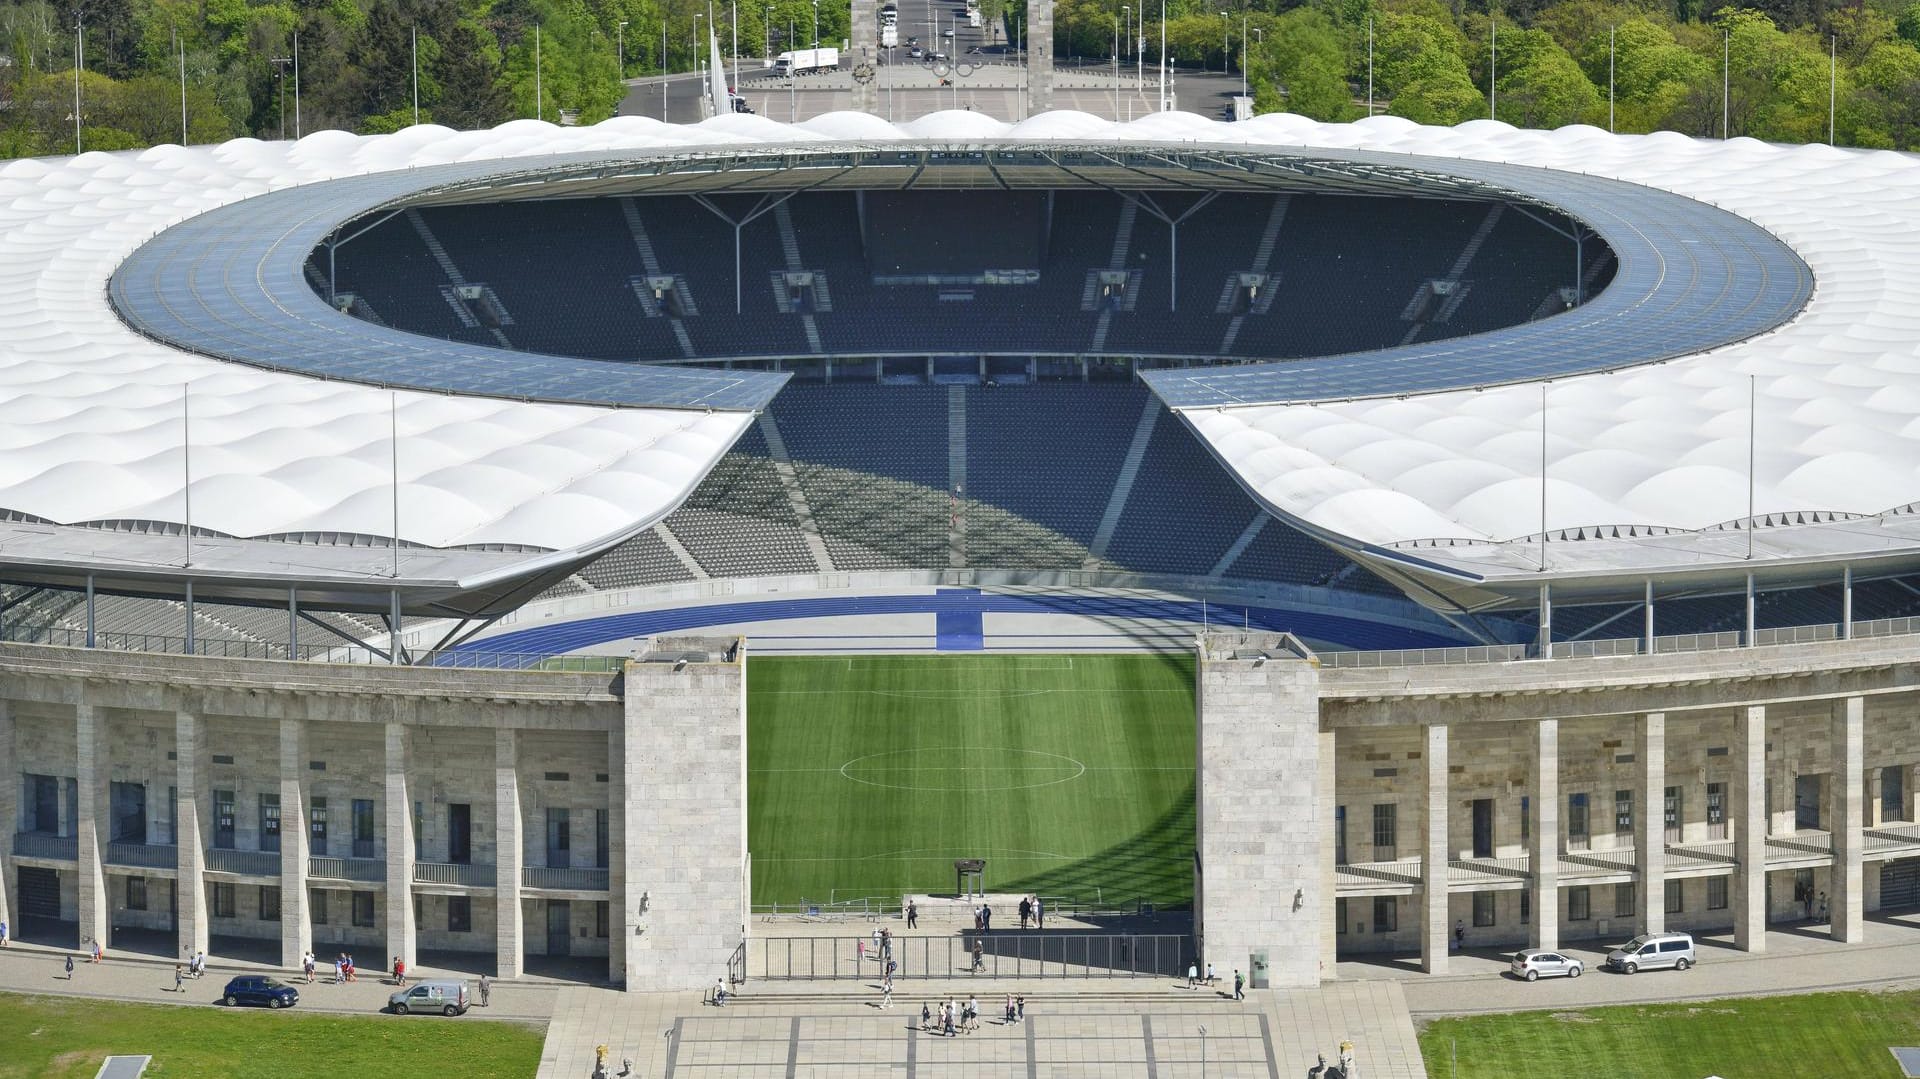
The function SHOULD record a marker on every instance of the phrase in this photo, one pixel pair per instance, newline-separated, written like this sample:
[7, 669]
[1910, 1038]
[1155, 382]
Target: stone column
[1543, 851]
[1846, 901]
[864, 39]
[9, 810]
[400, 929]
[296, 927]
[1329, 800]
[1434, 855]
[1650, 833]
[189, 750]
[1749, 813]
[1257, 727]
[1039, 56]
[509, 944]
[678, 883]
[620, 870]
[91, 773]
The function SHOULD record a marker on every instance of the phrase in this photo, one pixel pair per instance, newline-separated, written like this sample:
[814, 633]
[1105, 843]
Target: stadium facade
[1708, 393]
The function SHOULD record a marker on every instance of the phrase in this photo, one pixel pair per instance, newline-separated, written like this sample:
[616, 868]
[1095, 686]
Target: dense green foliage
[1072, 775]
[67, 1038]
[1432, 61]
[1820, 1034]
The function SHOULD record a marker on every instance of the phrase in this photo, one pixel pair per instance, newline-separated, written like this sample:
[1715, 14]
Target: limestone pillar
[1749, 818]
[9, 810]
[1846, 901]
[865, 49]
[619, 869]
[678, 881]
[1039, 56]
[91, 773]
[1543, 849]
[509, 944]
[1650, 827]
[400, 928]
[1434, 855]
[189, 750]
[296, 927]
[1257, 727]
[1329, 800]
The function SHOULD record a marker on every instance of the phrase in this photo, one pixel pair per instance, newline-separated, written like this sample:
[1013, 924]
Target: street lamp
[663, 67]
[620, 45]
[1223, 43]
[1260, 36]
[699, 54]
[280, 87]
[816, 29]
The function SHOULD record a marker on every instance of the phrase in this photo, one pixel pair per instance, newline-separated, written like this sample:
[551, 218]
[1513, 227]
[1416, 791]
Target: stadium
[1296, 527]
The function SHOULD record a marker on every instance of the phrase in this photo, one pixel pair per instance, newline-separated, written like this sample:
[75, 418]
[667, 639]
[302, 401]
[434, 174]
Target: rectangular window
[1577, 822]
[1716, 893]
[223, 900]
[1579, 904]
[1623, 814]
[136, 893]
[1526, 819]
[129, 802]
[363, 909]
[419, 831]
[1482, 909]
[269, 903]
[1340, 837]
[559, 839]
[269, 822]
[600, 838]
[1893, 792]
[1386, 914]
[459, 914]
[223, 819]
[419, 910]
[1624, 896]
[1676, 897]
[317, 905]
[1716, 811]
[1386, 832]
[1340, 917]
[43, 804]
[363, 828]
[1526, 906]
[601, 913]
[1670, 814]
[317, 826]
[460, 833]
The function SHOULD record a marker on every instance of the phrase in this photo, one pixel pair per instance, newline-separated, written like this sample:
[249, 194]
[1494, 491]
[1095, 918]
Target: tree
[1419, 62]
[1653, 74]
[1304, 56]
[1539, 84]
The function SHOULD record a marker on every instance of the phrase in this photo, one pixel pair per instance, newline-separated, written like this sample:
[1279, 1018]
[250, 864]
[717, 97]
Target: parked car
[1534, 964]
[915, 52]
[1653, 952]
[447, 998]
[258, 989]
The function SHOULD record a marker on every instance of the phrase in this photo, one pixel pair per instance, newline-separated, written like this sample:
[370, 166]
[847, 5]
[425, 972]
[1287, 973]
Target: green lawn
[1817, 1034]
[64, 1038]
[1071, 775]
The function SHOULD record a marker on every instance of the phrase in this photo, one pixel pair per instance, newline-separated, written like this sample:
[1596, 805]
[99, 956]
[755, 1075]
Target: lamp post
[766, 35]
[1163, 55]
[413, 35]
[620, 46]
[1260, 36]
[296, 84]
[280, 64]
[699, 54]
[1243, 52]
[1223, 42]
[793, 102]
[79, 61]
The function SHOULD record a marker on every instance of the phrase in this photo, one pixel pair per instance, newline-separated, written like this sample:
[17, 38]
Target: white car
[948, 32]
[1534, 964]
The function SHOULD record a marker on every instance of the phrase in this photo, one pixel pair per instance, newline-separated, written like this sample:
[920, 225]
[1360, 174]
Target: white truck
[806, 61]
[889, 36]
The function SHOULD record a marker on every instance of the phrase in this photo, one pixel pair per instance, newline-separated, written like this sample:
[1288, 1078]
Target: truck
[806, 61]
[889, 36]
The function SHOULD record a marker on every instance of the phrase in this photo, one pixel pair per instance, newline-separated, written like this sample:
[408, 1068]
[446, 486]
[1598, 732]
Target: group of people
[1031, 907]
[954, 1017]
[343, 970]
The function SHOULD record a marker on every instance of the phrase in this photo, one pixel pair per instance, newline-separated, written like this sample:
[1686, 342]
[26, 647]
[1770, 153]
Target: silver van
[1652, 952]
[447, 998]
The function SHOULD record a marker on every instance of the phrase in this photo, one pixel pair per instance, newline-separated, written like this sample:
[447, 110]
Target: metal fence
[1001, 955]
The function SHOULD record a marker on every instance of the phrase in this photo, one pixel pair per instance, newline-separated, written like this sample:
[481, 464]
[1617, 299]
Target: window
[1893, 792]
[1340, 917]
[223, 900]
[363, 828]
[136, 893]
[1670, 814]
[317, 829]
[1716, 811]
[317, 905]
[1623, 899]
[269, 903]
[43, 804]
[1623, 813]
[460, 833]
[269, 822]
[601, 912]
[1676, 897]
[419, 910]
[1340, 840]
[1576, 822]
[419, 831]
[1386, 832]
[459, 914]
[363, 909]
[1526, 819]
[600, 838]
[1716, 893]
[1579, 904]
[1386, 914]
[223, 819]
[129, 804]
[559, 838]
[1526, 906]
[1482, 909]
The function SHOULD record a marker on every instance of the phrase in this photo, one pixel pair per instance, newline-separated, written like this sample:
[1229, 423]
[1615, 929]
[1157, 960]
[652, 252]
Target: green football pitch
[1073, 776]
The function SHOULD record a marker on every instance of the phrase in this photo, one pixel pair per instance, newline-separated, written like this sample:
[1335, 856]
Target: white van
[1652, 952]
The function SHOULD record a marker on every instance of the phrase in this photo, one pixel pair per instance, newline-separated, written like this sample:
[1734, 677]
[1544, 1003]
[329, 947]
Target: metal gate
[1000, 955]
[39, 892]
[1900, 884]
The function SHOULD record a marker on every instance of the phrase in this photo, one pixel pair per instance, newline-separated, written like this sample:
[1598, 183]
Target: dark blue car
[258, 989]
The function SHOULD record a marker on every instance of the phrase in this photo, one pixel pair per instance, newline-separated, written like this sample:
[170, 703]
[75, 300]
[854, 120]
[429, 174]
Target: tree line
[374, 65]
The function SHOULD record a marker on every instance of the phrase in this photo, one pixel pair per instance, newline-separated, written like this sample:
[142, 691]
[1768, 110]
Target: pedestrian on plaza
[1009, 1011]
[1020, 1008]
[946, 1019]
[399, 972]
[1210, 977]
[1026, 911]
[4, 939]
[1193, 975]
[1459, 934]
[978, 923]
[69, 966]
[1823, 906]
[979, 957]
[99, 951]
[892, 967]
[719, 992]
[486, 990]
[926, 1016]
[913, 914]
[1039, 914]
[886, 991]
[986, 918]
[179, 979]
[340, 969]
[1239, 986]
[859, 950]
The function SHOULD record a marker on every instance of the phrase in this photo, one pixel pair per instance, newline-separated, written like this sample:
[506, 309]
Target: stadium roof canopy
[306, 449]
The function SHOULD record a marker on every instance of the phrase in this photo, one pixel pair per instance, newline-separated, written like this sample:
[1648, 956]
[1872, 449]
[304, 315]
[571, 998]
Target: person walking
[306, 966]
[926, 1016]
[1459, 934]
[979, 957]
[486, 990]
[986, 918]
[1039, 914]
[1210, 977]
[179, 979]
[399, 972]
[5, 940]
[1239, 986]
[719, 992]
[1020, 1008]
[1193, 975]
[859, 951]
[886, 992]
[99, 951]
[69, 966]
[1026, 911]
[913, 914]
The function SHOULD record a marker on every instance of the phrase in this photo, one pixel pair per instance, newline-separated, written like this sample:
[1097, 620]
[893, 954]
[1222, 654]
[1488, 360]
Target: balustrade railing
[570, 880]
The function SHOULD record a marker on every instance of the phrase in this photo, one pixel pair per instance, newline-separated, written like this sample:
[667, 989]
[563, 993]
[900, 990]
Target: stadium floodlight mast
[414, 34]
[79, 61]
[280, 65]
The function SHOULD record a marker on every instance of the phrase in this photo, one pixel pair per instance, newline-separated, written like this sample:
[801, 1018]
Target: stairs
[957, 474]
[454, 276]
[790, 247]
[1247, 536]
[1262, 257]
[796, 496]
[1123, 483]
[1117, 260]
[680, 552]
